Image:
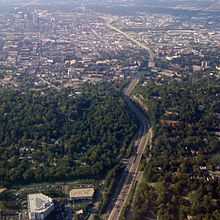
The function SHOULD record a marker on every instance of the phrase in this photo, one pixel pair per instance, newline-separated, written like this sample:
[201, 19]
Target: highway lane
[138, 43]
[131, 172]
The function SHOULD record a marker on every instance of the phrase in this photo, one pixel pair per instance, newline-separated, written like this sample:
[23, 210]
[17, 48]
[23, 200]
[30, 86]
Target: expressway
[131, 172]
[138, 43]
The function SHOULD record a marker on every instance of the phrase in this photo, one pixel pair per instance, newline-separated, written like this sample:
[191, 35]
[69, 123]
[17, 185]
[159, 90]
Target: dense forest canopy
[181, 181]
[62, 136]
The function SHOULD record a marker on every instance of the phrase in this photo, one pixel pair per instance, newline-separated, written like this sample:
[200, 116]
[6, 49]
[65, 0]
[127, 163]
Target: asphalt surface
[131, 172]
[138, 43]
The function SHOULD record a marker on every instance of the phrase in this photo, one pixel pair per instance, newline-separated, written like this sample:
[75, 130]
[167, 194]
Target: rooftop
[39, 202]
[82, 193]
[2, 190]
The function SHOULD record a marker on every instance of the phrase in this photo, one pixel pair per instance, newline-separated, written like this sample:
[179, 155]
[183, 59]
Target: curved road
[131, 172]
[133, 40]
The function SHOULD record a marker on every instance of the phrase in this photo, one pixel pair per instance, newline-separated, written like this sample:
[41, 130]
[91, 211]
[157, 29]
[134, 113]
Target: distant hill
[185, 4]
[214, 6]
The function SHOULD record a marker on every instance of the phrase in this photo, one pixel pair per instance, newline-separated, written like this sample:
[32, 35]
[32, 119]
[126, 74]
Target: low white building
[39, 206]
[82, 194]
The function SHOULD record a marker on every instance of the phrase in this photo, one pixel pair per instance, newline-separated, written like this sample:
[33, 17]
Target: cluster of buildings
[43, 48]
[41, 206]
[176, 39]
[54, 48]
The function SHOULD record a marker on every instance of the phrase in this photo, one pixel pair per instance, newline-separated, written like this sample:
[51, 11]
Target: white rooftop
[82, 193]
[39, 202]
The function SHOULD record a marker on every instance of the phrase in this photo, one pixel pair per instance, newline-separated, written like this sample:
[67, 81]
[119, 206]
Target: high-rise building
[39, 206]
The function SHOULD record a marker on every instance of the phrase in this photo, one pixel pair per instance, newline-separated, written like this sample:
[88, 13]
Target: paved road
[49, 83]
[138, 43]
[131, 172]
